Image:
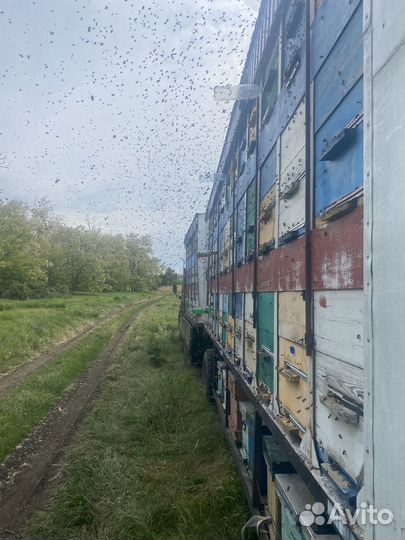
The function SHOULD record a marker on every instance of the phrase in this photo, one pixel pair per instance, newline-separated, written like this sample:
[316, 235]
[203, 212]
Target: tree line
[40, 255]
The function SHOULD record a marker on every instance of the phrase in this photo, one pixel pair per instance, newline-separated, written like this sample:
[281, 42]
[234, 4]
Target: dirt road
[29, 474]
[14, 378]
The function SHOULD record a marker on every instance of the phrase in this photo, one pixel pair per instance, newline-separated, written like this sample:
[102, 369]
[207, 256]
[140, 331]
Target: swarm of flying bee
[107, 108]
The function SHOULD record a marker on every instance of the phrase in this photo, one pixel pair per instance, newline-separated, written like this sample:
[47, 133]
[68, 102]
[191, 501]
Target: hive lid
[293, 492]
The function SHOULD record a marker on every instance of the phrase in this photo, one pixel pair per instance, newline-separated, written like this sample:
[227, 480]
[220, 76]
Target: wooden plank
[337, 260]
[292, 143]
[239, 305]
[231, 329]
[265, 371]
[265, 320]
[265, 339]
[248, 316]
[283, 269]
[292, 178]
[240, 231]
[329, 23]
[287, 102]
[225, 283]
[244, 277]
[338, 439]
[293, 353]
[250, 220]
[294, 396]
[291, 316]
[292, 208]
[337, 253]
[250, 335]
[336, 178]
[339, 325]
[267, 220]
[246, 178]
[341, 70]
[239, 337]
[268, 173]
[294, 33]
[226, 253]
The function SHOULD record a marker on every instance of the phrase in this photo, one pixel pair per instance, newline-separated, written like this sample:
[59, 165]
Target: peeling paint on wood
[244, 278]
[338, 253]
[283, 269]
[225, 283]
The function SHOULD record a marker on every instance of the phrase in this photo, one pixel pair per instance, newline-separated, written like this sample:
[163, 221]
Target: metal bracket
[289, 374]
[292, 188]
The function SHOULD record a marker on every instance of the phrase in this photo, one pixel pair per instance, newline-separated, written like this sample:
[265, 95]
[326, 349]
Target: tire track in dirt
[12, 379]
[29, 474]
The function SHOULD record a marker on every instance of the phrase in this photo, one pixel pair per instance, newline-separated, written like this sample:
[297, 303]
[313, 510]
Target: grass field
[22, 408]
[29, 327]
[150, 461]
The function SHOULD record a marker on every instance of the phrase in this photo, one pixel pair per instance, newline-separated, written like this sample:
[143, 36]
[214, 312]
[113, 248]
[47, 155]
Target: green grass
[151, 460]
[30, 327]
[23, 408]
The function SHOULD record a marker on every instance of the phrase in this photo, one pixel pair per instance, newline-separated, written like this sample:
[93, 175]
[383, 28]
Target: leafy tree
[41, 255]
[115, 261]
[169, 277]
[144, 268]
[23, 268]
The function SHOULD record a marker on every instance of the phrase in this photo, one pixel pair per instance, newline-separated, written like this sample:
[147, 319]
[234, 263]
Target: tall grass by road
[29, 327]
[151, 460]
[23, 408]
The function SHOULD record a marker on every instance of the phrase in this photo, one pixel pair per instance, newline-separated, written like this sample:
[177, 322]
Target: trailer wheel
[207, 372]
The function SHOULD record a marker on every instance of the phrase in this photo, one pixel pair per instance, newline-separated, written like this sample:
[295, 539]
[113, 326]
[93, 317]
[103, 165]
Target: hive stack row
[273, 296]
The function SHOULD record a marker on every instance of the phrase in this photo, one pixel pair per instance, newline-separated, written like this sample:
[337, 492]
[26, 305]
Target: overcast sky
[107, 108]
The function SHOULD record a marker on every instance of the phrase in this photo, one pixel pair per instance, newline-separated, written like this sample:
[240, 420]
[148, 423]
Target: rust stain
[283, 269]
[244, 278]
[225, 283]
[338, 253]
